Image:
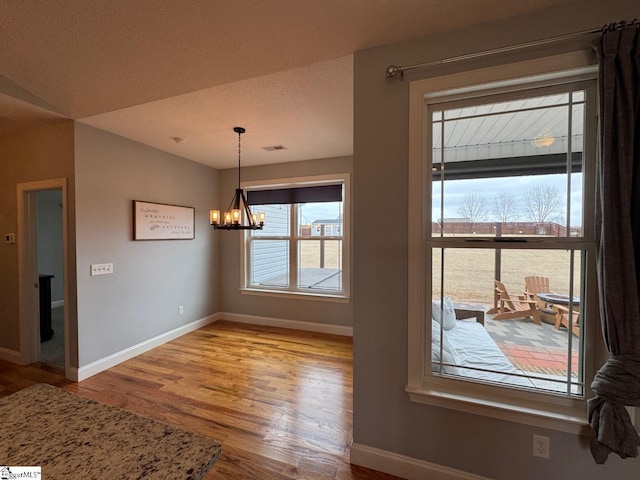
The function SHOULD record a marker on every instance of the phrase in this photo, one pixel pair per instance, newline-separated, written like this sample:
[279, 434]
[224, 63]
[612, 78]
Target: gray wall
[41, 152]
[151, 278]
[50, 252]
[384, 417]
[233, 301]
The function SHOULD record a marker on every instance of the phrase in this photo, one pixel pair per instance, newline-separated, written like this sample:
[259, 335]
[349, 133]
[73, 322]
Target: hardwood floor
[280, 401]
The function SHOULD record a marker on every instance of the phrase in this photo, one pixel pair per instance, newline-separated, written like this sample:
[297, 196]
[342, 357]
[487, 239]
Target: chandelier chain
[239, 134]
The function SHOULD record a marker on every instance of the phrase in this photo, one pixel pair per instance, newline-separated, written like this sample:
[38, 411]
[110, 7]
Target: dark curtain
[617, 383]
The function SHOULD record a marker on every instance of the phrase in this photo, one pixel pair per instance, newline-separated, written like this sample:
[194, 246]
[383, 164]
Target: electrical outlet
[541, 446]
[180, 310]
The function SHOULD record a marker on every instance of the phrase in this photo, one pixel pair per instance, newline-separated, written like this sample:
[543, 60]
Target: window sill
[569, 420]
[322, 297]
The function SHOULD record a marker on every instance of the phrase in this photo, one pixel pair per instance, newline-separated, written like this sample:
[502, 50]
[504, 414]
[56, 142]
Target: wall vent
[272, 148]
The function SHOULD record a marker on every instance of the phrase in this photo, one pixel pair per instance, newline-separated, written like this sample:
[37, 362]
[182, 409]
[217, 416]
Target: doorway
[50, 276]
[42, 257]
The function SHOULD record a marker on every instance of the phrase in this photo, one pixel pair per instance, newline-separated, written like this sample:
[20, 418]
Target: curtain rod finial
[393, 71]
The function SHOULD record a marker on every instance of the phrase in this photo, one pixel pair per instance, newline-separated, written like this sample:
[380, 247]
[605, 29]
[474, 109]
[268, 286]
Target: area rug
[70, 436]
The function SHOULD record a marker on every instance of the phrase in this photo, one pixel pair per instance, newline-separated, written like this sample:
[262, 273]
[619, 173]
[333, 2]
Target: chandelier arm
[247, 210]
[233, 203]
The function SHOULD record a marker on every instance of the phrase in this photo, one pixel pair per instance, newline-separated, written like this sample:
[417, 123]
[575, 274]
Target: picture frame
[160, 221]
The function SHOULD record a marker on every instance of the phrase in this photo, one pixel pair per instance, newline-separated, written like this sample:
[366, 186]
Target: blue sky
[320, 211]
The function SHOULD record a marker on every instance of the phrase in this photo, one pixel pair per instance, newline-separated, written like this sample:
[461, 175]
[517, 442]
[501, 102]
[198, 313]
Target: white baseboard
[292, 324]
[12, 356]
[57, 303]
[405, 467]
[82, 373]
[78, 374]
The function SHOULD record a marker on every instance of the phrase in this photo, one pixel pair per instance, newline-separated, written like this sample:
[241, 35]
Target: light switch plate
[101, 269]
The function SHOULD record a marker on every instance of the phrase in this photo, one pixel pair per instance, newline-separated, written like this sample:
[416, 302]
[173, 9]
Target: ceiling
[153, 71]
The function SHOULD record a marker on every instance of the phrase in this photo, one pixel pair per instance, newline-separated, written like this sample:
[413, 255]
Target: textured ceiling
[151, 70]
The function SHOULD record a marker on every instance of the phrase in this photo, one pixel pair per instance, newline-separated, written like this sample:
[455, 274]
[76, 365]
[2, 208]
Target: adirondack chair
[506, 307]
[562, 318]
[534, 284]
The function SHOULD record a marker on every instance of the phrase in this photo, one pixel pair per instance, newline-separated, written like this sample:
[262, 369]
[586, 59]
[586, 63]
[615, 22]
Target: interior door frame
[28, 268]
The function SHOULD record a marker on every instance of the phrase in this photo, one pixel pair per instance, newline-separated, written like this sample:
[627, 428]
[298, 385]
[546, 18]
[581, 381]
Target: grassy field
[470, 273]
[310, 254]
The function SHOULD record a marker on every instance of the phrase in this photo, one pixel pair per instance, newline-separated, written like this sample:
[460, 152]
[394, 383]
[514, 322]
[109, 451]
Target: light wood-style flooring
[279, 401]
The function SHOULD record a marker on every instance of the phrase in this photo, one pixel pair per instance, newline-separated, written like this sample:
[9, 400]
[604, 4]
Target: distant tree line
[541, 204]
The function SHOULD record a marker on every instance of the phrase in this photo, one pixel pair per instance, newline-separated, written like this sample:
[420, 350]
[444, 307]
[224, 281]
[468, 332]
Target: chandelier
[238, 215]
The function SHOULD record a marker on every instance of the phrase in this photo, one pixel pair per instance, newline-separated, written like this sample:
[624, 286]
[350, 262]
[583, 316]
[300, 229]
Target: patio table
[557, 298]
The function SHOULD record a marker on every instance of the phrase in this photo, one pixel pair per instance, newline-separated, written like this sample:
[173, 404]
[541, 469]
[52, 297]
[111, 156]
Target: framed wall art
[159, 221]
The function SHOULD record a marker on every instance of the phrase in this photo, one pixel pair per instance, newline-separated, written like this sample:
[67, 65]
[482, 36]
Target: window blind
[321, 193]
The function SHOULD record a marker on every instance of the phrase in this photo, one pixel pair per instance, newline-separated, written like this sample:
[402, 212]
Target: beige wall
[42, 152]
[302, 309]
[151, 278]
[384, 417]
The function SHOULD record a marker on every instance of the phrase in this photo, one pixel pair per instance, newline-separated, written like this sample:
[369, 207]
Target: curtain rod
[393, 71]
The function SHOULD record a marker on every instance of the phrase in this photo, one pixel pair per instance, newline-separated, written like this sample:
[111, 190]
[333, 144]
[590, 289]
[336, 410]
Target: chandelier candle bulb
[214, 217]
[227, 218]
[235, 214]
[261, 218]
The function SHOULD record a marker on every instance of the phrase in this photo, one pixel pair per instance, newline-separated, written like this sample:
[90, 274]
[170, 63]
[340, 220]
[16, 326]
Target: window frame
[294, 237]
[528, 407]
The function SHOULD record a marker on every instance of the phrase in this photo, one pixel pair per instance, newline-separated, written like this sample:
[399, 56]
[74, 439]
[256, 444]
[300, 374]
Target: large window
[507, 170]
[303, 248]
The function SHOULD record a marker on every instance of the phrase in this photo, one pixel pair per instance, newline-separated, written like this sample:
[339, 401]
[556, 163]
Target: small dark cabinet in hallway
[46, 332]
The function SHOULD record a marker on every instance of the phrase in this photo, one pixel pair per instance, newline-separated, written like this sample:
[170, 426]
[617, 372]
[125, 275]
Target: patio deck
[533, 348]
[311, 278]
[529, 347]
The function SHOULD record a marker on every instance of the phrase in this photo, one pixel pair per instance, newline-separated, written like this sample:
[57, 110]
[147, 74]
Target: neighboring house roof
[329, 221]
